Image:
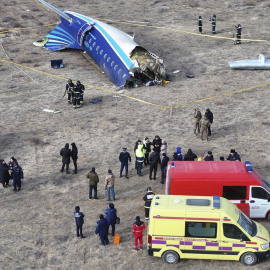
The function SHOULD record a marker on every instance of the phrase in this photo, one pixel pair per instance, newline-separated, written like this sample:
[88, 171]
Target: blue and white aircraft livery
[115, 52]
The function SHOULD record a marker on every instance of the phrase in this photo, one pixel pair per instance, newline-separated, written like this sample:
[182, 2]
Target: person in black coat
[111, 216]
[102, 229]
[209, 156]
[154, 159]
[163, 167]
[79, 216]
[157, 142]
[189, 156]
[200, 24]
[233, 156]
[66, 154]
[74, 156]
[210, 117]
[148, 197]
[17, 177]
[4, 174]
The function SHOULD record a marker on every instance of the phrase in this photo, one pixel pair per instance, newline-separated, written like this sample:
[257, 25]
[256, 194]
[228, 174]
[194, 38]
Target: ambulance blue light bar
[172, 164]
[216, 201]
[249, 166]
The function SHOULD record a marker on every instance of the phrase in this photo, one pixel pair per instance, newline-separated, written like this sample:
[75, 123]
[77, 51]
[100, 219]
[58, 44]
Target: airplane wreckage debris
[125, 62]
[260, 63]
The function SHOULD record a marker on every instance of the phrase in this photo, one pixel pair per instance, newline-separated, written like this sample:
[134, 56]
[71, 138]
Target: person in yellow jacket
[139, 158]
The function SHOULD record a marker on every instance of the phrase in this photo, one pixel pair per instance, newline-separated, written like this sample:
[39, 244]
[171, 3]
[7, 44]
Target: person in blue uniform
[125, 160]
[17, 177]
[79, 216]
[111, 216]
[102, 229]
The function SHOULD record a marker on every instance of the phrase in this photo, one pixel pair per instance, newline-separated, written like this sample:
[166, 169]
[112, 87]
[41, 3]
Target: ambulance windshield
[266, 185]
[247, 224]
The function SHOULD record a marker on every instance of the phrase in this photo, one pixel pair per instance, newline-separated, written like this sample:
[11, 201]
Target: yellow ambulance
[199, 227]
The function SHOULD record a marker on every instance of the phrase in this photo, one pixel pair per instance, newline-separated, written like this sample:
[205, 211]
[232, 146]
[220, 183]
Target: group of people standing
[203, 123]
[13, 171]
[66, 154]
[102, 227]
[213, 21]
[75, 93]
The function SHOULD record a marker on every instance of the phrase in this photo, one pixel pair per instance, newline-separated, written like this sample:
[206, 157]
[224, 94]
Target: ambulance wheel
[268, 216]
[170, 257]
[249, 258]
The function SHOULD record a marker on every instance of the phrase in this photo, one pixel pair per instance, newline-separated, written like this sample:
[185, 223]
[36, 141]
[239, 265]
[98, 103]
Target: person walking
[79, 218]
[70, 90]
[139, 159]
[163, 167]
[148, 197]
[153, 160]
[137, 230]
[197, 117]
[102, 229]
[93, 181]
[66, 154]
[4, 173]
[204, 125]
[233, 156]
[111, 216]
[210, 117]
[74, 156]
[200, 24]
[190, 156]
[109, 185]
[17, 177]
[125, 160]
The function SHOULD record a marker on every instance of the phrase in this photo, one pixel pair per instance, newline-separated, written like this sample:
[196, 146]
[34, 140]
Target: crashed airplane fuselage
[115, 52]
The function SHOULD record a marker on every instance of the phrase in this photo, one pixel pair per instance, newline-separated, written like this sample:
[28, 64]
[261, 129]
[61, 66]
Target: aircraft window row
[108, 59]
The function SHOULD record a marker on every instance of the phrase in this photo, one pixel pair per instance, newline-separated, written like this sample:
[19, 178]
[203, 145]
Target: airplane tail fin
[58, 11]
[58, 39]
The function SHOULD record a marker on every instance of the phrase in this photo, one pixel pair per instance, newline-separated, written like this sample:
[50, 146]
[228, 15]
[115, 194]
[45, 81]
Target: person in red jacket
[137, 231]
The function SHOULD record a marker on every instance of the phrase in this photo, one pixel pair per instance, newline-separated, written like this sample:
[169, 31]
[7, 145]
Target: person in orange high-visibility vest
[137, 231]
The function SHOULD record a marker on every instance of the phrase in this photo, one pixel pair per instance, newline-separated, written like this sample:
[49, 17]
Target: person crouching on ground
[137, 231]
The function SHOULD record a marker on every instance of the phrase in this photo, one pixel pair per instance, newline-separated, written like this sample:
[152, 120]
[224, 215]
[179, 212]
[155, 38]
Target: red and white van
[233, 180]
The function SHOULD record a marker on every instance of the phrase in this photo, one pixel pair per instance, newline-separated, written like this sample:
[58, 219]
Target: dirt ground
[37, 224]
